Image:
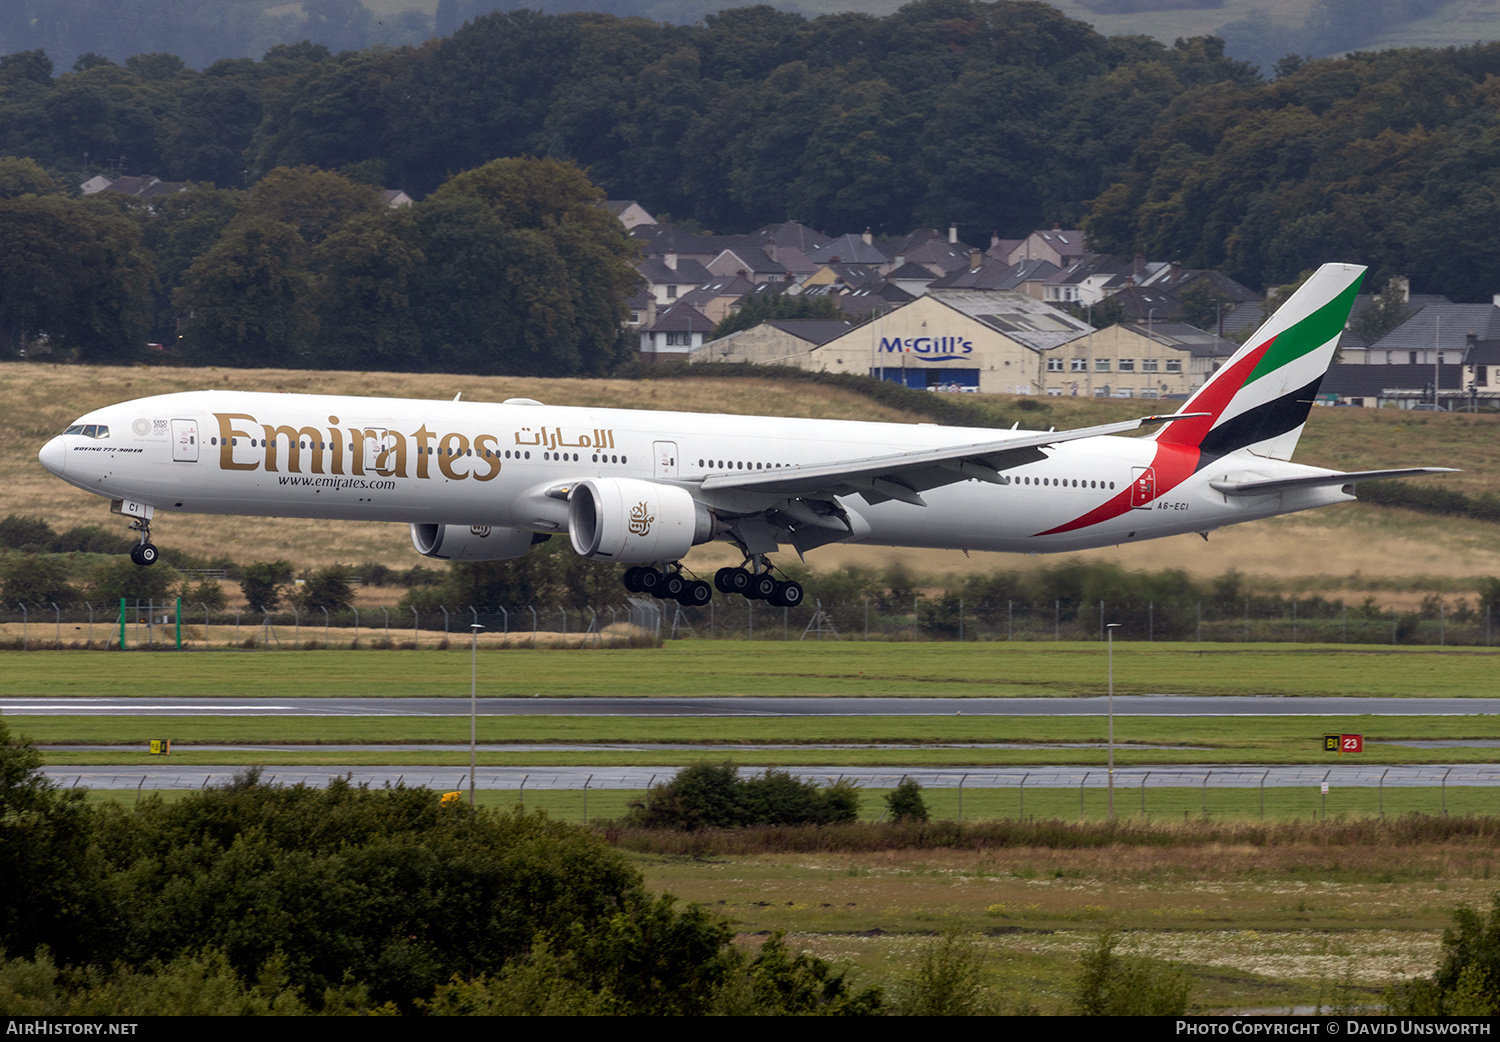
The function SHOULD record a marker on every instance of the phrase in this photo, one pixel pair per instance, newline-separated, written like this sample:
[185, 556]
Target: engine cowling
[630, 521]
[472, 543]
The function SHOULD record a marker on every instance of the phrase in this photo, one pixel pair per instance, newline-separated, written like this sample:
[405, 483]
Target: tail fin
[1260, 398]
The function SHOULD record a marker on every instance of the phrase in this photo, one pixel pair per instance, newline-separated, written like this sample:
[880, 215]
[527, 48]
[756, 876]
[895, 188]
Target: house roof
[1023, 319]
[1371, 381]
[995, 274]
[680, 318]
[688, 272]
[728, 286]
[1446, 325]
[814, 330]
[849, 249]
[752, 259]
[1200, 343]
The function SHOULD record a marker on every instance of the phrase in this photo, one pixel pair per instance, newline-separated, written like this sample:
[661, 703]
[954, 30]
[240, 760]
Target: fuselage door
[1142, 487]
[665, 453]
[185, 441]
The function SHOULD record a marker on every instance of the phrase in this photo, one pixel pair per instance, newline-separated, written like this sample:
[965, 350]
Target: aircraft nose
[54, 456]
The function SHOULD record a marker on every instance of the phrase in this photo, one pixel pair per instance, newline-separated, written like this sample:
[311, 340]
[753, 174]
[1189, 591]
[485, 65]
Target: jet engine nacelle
[472, 543]
[635, 522]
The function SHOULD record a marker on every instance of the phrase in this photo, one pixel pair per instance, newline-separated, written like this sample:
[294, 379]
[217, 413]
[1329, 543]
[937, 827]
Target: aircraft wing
[905, 476]
[1353, 477]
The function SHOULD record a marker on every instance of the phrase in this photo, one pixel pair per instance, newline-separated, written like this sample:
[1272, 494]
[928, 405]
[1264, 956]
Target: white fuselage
[481, 464]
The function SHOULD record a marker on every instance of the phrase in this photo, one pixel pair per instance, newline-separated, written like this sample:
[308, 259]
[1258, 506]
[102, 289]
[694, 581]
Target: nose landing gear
[144, 552]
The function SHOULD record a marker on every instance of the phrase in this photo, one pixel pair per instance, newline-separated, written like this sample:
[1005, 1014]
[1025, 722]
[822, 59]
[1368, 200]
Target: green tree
[327, 589]
[25, 533]
[262, 583]
[315, 202]
[121, 578]
[250, 298]
[19, 176]
[91, 297]
[905, 802]
[365, 314]
[35, 579]
[1383, 314]
[567, 262]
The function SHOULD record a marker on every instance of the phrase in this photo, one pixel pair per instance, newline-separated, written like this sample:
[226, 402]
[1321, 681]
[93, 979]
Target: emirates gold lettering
[640, 519]
[246, 444]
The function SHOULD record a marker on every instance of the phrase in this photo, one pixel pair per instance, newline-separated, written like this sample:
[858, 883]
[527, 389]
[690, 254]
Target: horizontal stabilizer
[1353, 477]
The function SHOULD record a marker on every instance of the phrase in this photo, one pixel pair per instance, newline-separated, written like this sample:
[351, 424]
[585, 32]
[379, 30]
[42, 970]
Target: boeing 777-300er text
[479, 481]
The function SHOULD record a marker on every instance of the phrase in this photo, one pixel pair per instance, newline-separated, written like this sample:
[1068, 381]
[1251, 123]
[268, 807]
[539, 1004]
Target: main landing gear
[669, 584]
[143, 553]
[757, 584]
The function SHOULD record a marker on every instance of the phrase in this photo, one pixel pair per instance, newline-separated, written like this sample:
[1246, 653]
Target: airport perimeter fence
[638, 621]
[986, 794]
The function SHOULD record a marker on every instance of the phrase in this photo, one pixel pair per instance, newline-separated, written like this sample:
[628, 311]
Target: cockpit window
[91, 430]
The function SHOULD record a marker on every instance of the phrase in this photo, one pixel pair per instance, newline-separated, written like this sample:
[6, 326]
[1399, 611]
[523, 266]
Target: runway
[1165, 705]
[519, 779]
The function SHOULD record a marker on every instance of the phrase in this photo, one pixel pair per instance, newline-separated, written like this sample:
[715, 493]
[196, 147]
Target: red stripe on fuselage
[1177, 447]
[1172, 465]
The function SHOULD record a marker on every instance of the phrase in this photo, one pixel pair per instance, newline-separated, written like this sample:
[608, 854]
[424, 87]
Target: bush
[261, 584]
[949, 981]
[707, 796]
[35, 580]
[31, 534]
[1111, 986]
[1467, 981]
[905, 803]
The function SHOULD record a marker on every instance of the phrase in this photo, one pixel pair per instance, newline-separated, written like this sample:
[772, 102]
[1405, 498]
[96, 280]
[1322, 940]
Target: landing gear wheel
[650, 581]
[724, 580]
[696, 595]
[788, 595]
[143, 554]
[673, 587]
[762, 586]
[738, 581]
[632, 579]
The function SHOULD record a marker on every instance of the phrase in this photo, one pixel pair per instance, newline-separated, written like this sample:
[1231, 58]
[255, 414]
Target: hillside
[1387, 549]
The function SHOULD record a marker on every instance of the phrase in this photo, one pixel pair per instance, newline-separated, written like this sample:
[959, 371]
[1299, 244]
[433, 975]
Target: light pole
[474, 629]
[1110, 631]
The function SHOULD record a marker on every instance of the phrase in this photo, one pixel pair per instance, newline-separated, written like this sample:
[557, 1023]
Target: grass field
[725, 668]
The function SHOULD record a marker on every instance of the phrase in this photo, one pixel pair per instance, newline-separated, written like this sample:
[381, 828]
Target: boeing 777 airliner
[479, 481]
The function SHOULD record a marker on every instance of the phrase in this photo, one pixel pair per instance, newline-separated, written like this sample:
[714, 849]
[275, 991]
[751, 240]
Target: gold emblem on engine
[640, 519]
[482, 531]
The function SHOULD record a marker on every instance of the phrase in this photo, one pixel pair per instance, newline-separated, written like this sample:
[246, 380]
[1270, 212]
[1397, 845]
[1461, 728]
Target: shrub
[1111, 986]
[1467, 981]
[949, 981]
[708, 796]
[905, 803]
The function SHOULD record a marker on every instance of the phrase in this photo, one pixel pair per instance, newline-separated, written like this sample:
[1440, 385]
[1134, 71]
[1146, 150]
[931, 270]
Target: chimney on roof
[670, 259]
[994, 239]
[952, 233]
[975, 260]
[1056, 227]
[868, 238]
